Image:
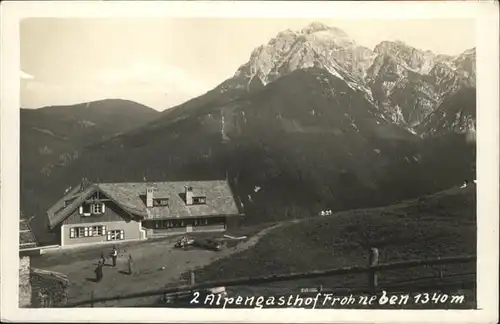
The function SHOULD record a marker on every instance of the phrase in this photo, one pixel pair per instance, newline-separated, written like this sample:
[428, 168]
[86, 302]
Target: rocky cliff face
[466, 64]
[405, 83]
[457, 114]
[317, 46]
[412, 83]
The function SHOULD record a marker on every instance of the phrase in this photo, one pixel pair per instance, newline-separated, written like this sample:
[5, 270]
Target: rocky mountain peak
[468, 53]
[386, 47]
[466, 65]
[315, 27]
[414, 59]
[404, 82]
[414, 82]
[316, 45]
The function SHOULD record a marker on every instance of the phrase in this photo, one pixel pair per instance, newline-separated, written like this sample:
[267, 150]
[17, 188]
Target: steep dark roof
[219, 198]
[60, 210]
[131, 197]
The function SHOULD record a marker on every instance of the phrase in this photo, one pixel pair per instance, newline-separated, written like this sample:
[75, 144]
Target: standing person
[130, 265]
[103, 259]
[98, 271]
[114, 255]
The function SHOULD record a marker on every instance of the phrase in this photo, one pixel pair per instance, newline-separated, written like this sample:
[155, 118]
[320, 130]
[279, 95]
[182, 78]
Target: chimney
[149, 197]
[189, 195]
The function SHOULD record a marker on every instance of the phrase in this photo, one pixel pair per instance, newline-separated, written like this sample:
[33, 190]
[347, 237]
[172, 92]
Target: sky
[162, 62]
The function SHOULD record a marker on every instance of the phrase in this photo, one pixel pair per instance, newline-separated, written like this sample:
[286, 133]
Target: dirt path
[252, 241]
[157, 264]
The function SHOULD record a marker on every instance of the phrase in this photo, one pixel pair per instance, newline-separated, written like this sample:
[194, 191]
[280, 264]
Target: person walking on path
[130, 265]
[98, 271]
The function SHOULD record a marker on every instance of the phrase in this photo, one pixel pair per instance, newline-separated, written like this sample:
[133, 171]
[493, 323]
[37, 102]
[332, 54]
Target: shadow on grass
[104, 265]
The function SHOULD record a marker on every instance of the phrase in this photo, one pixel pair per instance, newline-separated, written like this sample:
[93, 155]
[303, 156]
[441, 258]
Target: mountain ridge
[406, 98]
[456, 114]
[307, 139]
[54, 136]
[318, 45]
[313, 119]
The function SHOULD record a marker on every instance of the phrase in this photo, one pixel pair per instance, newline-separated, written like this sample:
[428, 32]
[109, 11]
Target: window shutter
[103, 207]
[81, 210]
[103, 230]
[122, 234]
[72, 233]
[86, 230]
[90, 231]
[109, 235]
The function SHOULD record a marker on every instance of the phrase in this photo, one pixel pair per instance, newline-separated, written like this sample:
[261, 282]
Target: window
[200, 221]
[165, 224]
[85, 210]
[97, 231]
[171, 224]
[115, 235]
[92, 209]
[160, 202]
[214, 221]
[200, 200]
[162, 224]
[96, 208]
[76, 232]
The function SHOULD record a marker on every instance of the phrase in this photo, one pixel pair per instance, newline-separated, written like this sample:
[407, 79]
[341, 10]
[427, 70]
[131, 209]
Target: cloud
[26, 76]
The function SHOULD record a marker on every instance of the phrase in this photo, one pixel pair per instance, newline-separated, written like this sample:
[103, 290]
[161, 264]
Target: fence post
[191, 278]
[372, 274]
[441, 275]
